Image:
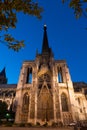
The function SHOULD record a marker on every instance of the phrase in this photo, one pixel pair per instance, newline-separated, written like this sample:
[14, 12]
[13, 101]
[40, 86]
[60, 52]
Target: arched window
[29, 76]
[25, 102]
[60, 77]
[44, 77]
[64, 102]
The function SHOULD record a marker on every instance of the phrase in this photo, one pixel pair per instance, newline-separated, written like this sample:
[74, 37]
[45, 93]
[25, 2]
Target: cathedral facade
[45, 92]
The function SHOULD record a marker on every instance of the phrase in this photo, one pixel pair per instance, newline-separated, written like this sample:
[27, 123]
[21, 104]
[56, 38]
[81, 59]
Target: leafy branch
[78, 6]
[8, 18]
[12, 43]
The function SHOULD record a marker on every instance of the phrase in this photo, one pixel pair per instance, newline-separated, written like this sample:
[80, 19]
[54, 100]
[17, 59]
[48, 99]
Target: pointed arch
[25, 102]
[64, 102]
[60, 76]
[29, 75]
[45, 104]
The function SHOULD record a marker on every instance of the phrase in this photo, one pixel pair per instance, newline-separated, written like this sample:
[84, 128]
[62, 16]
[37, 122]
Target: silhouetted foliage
[3, 109]
[11, 112]
[8, 19]
[79, 7]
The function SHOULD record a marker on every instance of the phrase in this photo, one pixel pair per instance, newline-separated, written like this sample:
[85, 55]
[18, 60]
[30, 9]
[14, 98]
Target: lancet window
[29, 76]
[64, 102]
[25, 102]
[60, 76]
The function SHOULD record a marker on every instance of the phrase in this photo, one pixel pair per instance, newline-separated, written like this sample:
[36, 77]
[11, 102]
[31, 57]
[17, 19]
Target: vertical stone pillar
[54, 105]
[19, 95]
[70, 92]
[35, 120]
[61, 116]
[19, 106]
[54, 101]
[35, 79]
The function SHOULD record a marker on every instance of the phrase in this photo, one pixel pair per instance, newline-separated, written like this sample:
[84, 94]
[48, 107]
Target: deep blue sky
[67, 37]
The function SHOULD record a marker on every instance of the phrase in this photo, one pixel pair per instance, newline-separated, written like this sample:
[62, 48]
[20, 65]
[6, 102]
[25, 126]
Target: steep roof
[80, 86]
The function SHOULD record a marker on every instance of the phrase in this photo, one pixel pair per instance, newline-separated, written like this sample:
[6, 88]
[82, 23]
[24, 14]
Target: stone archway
[45, 104]
[25, 107]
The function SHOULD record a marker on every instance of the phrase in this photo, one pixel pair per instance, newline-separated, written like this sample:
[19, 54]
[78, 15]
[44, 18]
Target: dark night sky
[67, 37]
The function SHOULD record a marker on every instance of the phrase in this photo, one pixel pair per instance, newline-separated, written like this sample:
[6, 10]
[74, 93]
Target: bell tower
[44, 78]
[45, 91]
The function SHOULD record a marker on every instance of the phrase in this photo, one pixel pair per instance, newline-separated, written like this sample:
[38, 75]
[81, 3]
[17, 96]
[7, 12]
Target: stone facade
[45, 91]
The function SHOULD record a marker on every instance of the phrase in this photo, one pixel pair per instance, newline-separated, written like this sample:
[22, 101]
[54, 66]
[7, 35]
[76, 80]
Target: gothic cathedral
[45, 91]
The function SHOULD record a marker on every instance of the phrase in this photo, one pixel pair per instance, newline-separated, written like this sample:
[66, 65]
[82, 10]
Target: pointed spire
[45, 46]
[3, 73]
[3, 79]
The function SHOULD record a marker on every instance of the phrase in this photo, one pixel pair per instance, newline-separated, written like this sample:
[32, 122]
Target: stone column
[54, 102]
[61, 116]
[35, 87]
[54, 105]
[71, 95]
[35, 104]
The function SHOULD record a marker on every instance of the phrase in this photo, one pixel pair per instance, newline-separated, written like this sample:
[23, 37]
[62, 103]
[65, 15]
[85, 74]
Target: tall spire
[3, 73]
[3, 79]
[45, 46]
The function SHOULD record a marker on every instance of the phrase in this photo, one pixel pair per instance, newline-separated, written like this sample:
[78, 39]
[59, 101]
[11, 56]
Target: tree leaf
[8, 18]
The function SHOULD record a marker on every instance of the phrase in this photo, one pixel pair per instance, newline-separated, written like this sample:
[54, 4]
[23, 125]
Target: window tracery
[29, 76]
[44, 77]
[25, 102]
[60, 76]
[64, 102]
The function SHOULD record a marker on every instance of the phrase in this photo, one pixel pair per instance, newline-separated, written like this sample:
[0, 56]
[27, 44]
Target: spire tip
[45, 26]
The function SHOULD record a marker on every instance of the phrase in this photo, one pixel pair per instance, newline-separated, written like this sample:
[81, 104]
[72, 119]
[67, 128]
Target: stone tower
[45, 91]
[3, 79]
